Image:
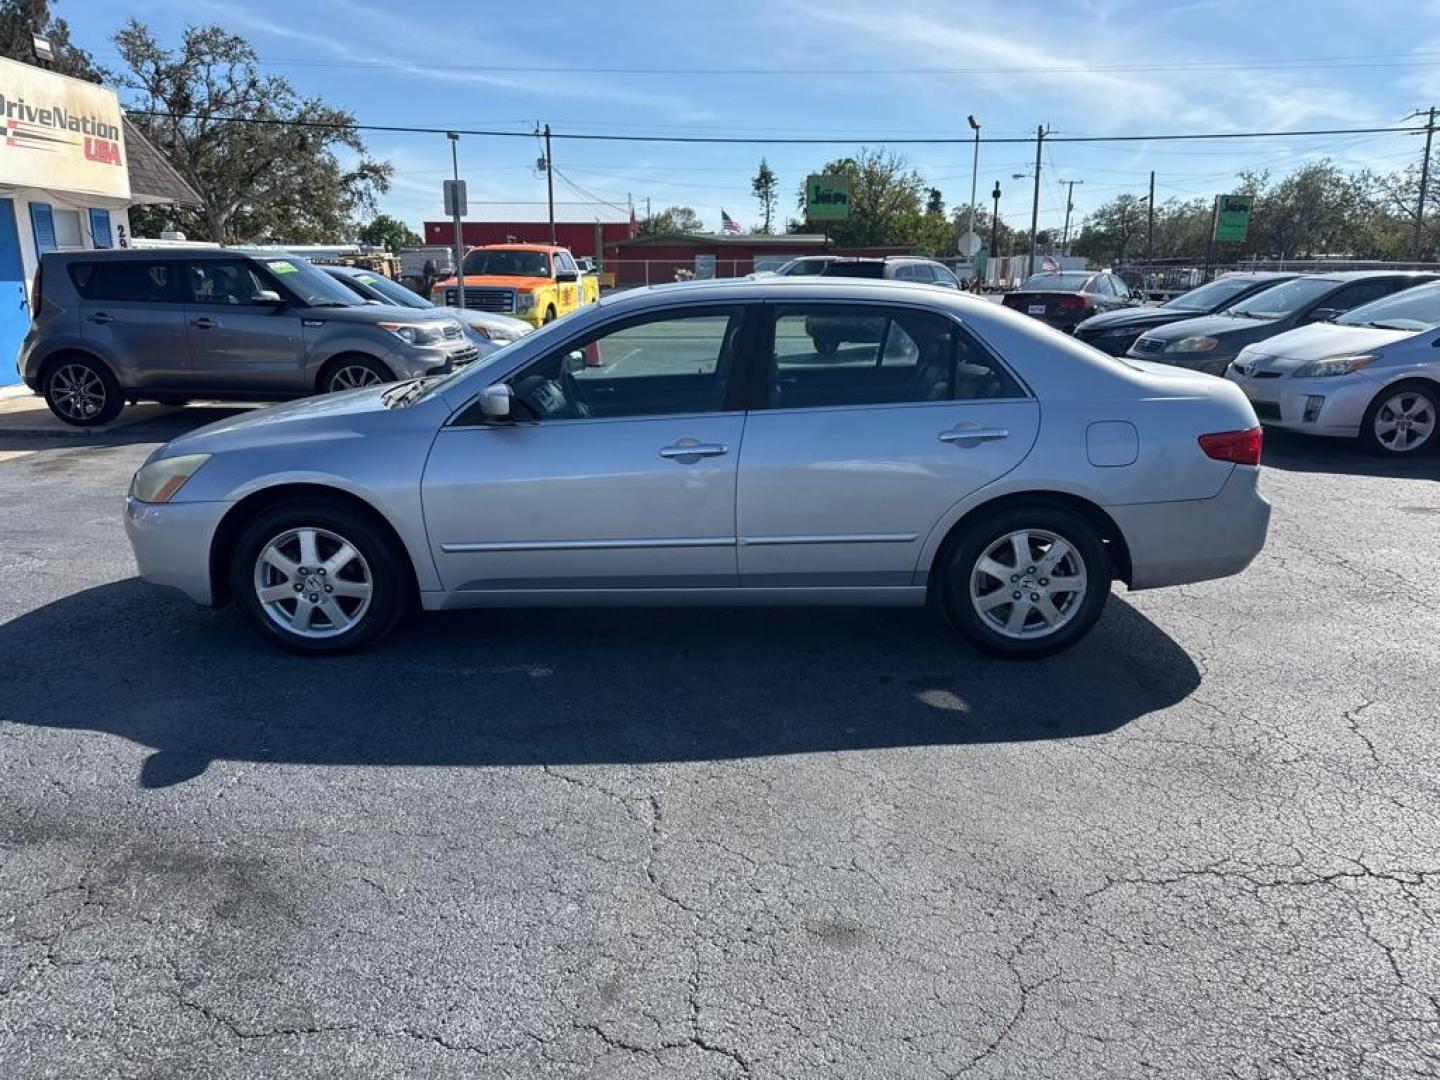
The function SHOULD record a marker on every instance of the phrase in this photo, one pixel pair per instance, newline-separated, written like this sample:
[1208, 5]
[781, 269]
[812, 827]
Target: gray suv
[169, 326]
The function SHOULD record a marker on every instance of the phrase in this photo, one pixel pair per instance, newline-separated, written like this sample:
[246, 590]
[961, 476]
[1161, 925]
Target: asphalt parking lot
[772, 843]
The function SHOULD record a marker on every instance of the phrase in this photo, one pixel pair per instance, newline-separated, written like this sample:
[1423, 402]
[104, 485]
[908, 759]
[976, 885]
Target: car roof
[519, 247]
[1256, 275]
[796, 289]
[1361, 275]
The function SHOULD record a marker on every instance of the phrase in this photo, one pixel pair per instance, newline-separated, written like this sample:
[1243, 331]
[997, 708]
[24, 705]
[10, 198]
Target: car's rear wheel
[353, 373]
[1402, 420]
[317, 578]
[1027, 581]
[82, 391]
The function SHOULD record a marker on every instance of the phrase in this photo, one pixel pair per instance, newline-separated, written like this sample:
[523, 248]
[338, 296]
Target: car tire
[550, 314]
[825, 346]
[984, 574]
[82, 391]
[1408, 410]
[353, 598]
[354, 373]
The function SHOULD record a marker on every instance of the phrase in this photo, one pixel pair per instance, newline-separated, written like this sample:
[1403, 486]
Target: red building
[650, 260]
[585, 228]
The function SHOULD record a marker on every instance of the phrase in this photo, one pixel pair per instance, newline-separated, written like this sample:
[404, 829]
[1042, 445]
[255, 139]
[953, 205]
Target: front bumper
[1175, 543]
[1330, 406]
[172, 541]
[411, 362]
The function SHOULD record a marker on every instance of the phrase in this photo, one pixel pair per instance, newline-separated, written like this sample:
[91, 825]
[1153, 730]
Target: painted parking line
[10, 455]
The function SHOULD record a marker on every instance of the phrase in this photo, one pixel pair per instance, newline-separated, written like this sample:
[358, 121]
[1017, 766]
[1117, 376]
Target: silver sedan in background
[695, 444]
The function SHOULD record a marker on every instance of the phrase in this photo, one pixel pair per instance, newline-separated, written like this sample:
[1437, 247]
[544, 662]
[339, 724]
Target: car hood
[1234, 332]
[325, 416]
[1319, 341]
[1134, 316]
[489, 321]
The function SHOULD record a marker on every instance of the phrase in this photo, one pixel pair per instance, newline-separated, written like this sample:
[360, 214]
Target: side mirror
[495, 402]
[267, 296]
[1324, 314]
[566, 275]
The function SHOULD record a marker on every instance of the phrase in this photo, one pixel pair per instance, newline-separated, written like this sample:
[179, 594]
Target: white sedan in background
[1372, 374]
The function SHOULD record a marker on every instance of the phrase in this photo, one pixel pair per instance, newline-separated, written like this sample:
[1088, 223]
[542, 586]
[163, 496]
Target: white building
[71, 166]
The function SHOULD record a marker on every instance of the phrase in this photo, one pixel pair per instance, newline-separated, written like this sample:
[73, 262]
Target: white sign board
[705, 267]
[968, 244]
[456, 204]
[60, 133]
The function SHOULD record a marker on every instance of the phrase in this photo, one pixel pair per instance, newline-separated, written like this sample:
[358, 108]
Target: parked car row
[1353, 354]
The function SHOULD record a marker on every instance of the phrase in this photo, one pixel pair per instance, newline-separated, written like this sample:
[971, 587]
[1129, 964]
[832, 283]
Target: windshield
[1211, 296]
[802, 267]
[1056, 283]
[392, 291]
[311, 285]
[1284, 299]
[482, 263]
[1413, 309]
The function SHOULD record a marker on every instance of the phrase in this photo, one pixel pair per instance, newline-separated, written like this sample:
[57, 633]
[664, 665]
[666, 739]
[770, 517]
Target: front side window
[152, 282]
[565, 264]
[1362, 292]
[1411, 309]
[228, 282]
[944, 277]
[666, 364]
[830, 355]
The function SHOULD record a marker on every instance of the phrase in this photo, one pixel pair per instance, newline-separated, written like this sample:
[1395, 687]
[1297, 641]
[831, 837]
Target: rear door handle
[101, 317]
[688, 451]
[204, 323]
[973, 436]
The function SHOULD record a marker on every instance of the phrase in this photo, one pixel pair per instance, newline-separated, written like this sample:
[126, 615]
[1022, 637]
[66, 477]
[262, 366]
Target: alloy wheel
[313, 582]
[1405, 422]
[353, 377]
[1028, 584]
[77, 391]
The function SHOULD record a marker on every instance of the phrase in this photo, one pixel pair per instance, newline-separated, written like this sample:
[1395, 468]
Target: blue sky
[1215, 65]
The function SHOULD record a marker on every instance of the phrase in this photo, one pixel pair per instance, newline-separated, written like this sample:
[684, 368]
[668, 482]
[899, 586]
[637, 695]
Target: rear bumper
[1176, 543]
[171, 542]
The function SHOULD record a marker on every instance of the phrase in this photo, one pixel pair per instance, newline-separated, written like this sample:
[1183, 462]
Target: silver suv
[169, 326]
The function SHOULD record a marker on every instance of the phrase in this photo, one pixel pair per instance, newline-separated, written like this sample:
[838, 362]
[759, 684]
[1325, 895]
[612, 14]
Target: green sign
[1232, 218]
[827, 198]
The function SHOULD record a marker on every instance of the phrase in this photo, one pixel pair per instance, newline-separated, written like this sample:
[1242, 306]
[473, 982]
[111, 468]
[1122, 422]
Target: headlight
[426, 333]
[1192, 344]
[160, 480]
[524, 301]
[1335, 365]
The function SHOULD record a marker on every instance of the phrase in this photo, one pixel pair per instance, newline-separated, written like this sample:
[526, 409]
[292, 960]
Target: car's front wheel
[1402, 420]
[317, 578]
[353, 373]
[1027, 581]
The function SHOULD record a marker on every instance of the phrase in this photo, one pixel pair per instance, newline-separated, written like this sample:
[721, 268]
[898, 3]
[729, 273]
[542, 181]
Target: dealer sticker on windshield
[280, 266]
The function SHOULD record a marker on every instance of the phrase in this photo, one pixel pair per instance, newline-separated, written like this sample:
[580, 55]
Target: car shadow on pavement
[1308, 453]
[527, 687]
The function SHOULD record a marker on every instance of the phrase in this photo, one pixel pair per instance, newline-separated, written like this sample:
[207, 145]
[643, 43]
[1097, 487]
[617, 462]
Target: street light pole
[454, 137]
[1035, 203]
[974, 172]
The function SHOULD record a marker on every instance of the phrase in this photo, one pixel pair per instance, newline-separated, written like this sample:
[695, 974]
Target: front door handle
[101, 317]
[204, 323]
[973, 436]
[689, 451]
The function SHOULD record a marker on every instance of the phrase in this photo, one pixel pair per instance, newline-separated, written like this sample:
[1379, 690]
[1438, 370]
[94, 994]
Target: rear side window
[147, 282]
[1362, 292]
[834, 354]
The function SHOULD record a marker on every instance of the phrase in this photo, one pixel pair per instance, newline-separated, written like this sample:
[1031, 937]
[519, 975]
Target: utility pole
[1069, 205]
[550, 182]
[1150, 228]
[454, 137]
[995, 223]
[974, 172]
[1424, 183]
[1035, 203]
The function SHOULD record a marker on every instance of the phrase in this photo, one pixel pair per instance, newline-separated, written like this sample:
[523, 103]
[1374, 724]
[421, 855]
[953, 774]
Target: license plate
[1036, 309]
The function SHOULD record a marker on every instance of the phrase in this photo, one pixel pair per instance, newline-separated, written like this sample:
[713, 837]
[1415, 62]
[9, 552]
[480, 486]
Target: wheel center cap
[313, 583]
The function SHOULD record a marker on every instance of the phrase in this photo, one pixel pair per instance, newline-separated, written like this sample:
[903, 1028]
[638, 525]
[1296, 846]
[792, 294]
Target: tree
[766, 187]
[20, 20]
[673, 219]
[1111, 231]
[389, 233]
[271, 174]
[935, 202]
[885, 203]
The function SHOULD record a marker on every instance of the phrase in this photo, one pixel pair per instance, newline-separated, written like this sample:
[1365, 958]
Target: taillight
[1241, 447]
[35, 292]
[1011, 300]
[1071, 303]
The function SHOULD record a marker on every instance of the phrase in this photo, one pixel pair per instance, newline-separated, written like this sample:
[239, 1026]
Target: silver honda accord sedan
[776, 441]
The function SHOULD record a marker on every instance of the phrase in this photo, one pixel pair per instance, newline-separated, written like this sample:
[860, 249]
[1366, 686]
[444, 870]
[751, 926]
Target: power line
[764, 140]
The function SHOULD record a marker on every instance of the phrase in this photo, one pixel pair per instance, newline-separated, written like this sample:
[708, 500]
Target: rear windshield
[854, 269]
[1414, 309]
[1056, 283]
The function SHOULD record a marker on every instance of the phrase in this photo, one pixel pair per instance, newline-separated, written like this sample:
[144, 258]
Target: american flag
[1048, 264]
[727, 223]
